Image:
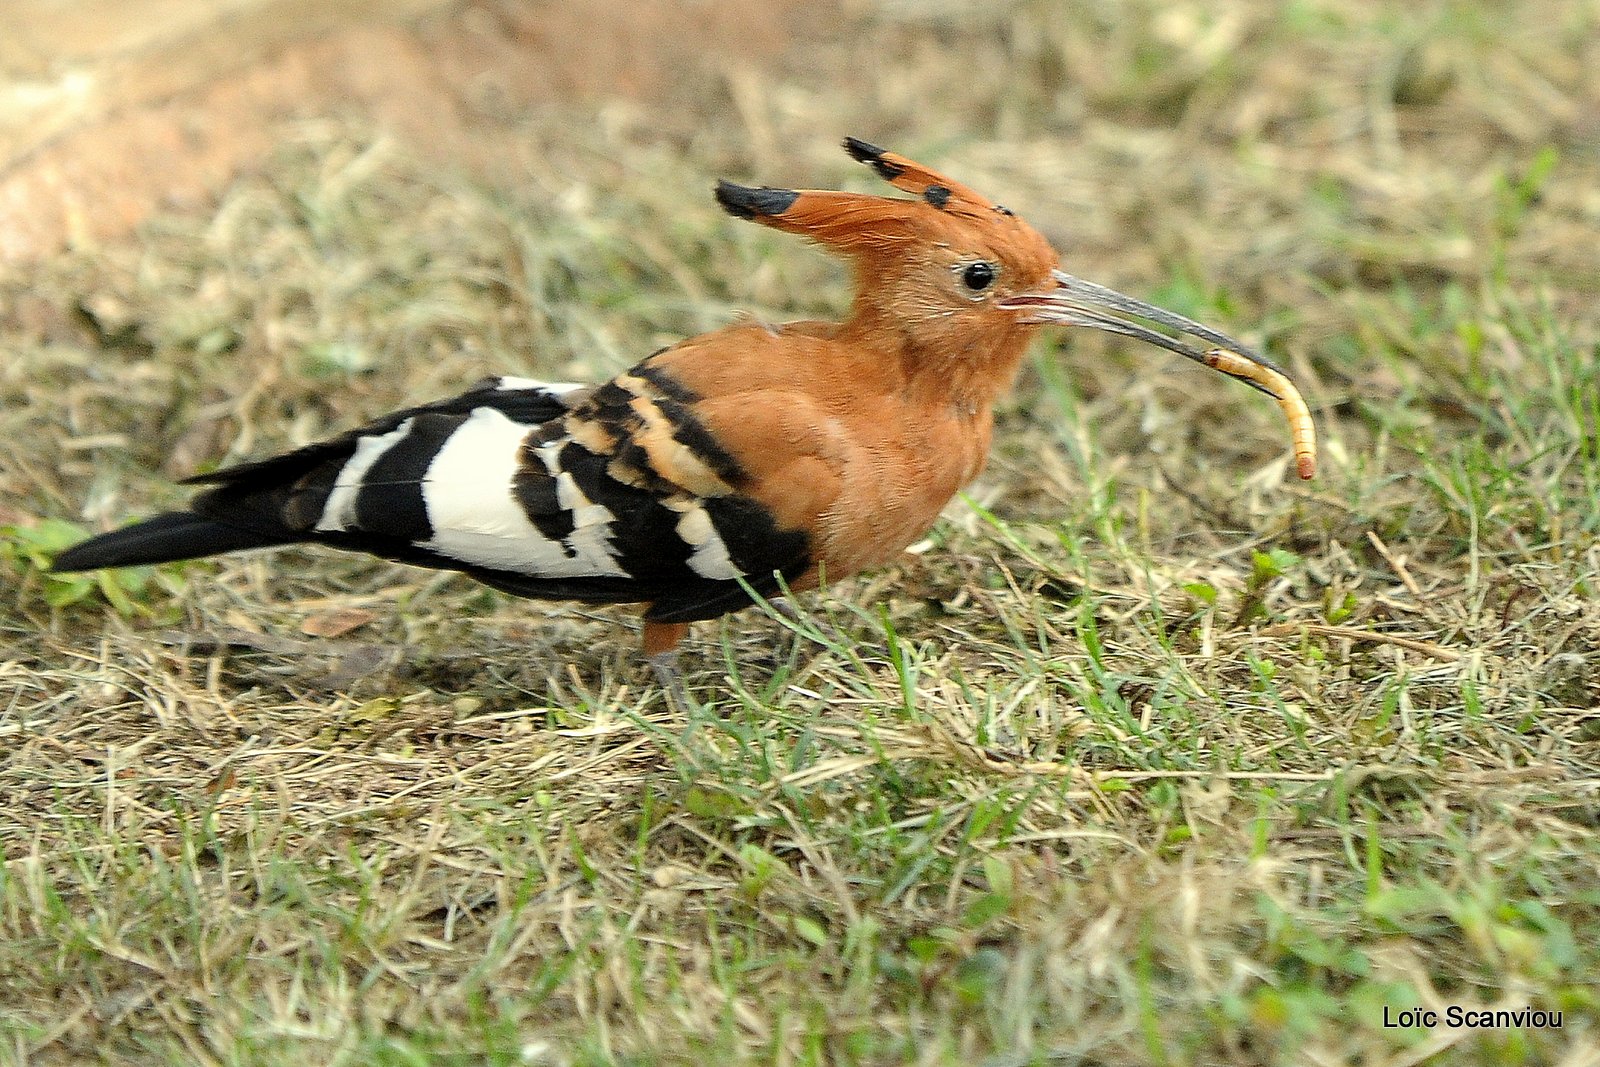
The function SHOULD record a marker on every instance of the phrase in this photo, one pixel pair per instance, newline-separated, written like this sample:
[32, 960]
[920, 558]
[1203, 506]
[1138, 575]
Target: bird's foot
[802, 626]
[665, 666]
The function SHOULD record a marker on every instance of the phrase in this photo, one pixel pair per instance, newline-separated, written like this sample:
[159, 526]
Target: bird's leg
[787, 610]
[793, 614]
[785, 634]
[665, 666]
[661, 641]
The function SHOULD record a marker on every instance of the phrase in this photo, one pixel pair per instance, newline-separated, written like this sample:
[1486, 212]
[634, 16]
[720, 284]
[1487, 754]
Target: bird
[749, 462]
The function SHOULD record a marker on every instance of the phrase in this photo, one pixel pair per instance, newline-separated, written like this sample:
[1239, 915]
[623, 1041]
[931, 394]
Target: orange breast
[835, 439]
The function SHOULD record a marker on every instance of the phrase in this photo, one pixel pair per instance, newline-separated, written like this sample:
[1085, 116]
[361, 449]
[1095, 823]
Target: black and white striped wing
[613, 493]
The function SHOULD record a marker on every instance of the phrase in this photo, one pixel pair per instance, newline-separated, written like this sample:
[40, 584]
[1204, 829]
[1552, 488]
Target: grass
[1147, 756]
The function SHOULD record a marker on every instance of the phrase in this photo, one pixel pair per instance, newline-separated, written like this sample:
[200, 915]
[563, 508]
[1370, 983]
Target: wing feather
[618, 492]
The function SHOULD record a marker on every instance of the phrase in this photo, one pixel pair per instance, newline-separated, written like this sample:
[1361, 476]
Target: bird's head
[955, 284]
[932, 272]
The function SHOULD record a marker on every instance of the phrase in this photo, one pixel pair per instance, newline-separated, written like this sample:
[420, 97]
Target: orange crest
[856, 223]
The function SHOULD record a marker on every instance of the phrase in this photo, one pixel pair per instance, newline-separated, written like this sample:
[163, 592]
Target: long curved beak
[1075, 302]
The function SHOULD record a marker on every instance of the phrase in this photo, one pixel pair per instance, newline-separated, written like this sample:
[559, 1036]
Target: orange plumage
[754, 456]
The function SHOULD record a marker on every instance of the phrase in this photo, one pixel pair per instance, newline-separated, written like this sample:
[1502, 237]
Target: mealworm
[1277, 385]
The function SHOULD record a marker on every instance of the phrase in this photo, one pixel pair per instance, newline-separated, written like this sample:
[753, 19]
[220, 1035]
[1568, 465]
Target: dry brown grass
[1151, 756]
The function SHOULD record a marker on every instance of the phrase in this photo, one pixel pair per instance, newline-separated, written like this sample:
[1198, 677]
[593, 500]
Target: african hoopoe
[755, 457]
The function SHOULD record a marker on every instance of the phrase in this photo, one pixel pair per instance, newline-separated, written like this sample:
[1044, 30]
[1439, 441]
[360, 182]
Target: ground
[1149, 754]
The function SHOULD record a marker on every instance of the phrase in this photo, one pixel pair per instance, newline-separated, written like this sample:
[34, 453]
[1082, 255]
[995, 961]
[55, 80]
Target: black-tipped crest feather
[870, 154]
[747, 202]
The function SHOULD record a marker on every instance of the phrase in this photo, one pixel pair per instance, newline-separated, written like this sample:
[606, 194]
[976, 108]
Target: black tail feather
[163, 539]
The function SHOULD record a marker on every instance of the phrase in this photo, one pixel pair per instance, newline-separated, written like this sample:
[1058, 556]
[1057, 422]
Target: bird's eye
[978, 276]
